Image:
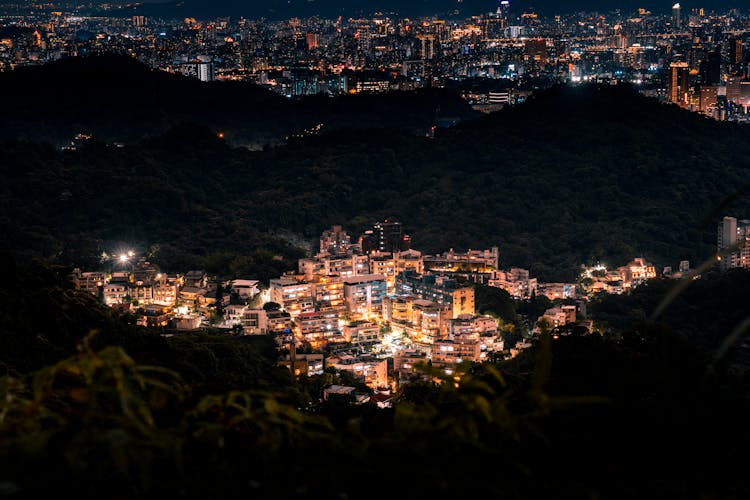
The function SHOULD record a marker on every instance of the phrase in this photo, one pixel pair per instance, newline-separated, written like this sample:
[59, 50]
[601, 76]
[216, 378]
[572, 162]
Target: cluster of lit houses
[376, 307]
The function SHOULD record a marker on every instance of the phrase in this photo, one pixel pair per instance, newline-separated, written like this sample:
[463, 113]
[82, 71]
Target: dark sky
[283, 9]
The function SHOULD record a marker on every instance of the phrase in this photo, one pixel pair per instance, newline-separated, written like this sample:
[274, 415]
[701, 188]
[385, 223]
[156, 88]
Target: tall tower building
[427, 46]
[679, 73]
[676, 16]
[735, 51]
[734, 234]
[711, 68]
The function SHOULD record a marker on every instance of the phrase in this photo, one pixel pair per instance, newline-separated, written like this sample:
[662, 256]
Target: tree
[271, 306]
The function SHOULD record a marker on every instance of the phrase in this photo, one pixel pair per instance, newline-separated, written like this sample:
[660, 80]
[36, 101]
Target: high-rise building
[709, 97]
[734, 88]
[736, 51]
[676, 16]
[493, 26]
[204, 67]
[679, 73]
[710, 68]
[733, 237]
[696, 55]
[312, 41]
[427, 46]
[386, 236]
[536, 49]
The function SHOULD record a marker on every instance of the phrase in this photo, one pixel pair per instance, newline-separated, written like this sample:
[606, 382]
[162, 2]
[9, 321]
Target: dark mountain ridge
[117, 98]
[574, 175]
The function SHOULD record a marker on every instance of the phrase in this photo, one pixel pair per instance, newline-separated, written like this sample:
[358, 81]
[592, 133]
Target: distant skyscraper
[709, 97]
[536, 49]
[206, 71]
[735, 51]
[734, 234]
[312, 41]
[734, 88]
[679, 73]
[676, 16]
[710, 68]
[427, 46]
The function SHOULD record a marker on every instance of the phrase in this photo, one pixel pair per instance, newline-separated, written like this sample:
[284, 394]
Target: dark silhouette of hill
[575, 175]
[117, 98]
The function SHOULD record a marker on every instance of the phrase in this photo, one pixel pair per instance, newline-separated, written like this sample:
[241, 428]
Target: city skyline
[280, 9]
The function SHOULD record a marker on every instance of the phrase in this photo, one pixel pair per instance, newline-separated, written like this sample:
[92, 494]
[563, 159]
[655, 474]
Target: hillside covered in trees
[93, 406]
[117, 98]
[574, 175]
[656, 406]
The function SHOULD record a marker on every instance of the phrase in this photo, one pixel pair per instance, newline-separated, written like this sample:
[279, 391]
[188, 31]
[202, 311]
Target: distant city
[697, 59]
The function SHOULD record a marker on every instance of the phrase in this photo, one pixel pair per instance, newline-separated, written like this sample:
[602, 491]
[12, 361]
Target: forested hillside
[574, 175]
[117, 98]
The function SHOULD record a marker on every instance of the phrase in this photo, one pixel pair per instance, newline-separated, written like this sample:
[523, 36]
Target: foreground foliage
[642, 413]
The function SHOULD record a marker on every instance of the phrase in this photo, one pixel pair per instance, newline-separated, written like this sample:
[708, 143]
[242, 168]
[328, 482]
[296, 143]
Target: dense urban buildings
[363, 310]
[697, 58]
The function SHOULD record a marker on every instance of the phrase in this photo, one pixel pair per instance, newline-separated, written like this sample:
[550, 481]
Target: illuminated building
[478, 265]
[246, 289]
[279, 322]
[636, 272]
[427, 46]
[734, 88]
[536, 50]
[325, 265]
[679, 74]
[364, 294]
[328, 293]
[361, 332]
[554, 291]
[384, 263]
[91, 281]
[733, 237]
[386, 236]
[292, 294]
[517, 282]
[409, 259]
[406, 363]
[424, 321]
[493, 27]
[335, 241]
[255, 321]
[372, 86]
[560, 315]
[318, 329]
[305, 365]
[709, 96]
[441, 289]
[371, 370]
[676, 16]
[312, 41]
[448, 353]
[736, 51]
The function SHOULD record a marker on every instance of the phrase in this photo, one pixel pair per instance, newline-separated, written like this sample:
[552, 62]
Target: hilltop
[117, 98]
